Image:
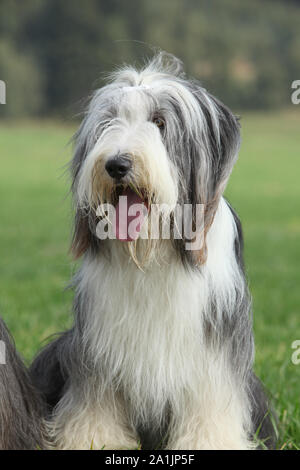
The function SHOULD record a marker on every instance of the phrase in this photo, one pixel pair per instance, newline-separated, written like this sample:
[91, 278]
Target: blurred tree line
[53, 52]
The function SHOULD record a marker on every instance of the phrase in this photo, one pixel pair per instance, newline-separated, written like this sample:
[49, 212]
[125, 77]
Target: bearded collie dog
[161, 351]
[21, 407]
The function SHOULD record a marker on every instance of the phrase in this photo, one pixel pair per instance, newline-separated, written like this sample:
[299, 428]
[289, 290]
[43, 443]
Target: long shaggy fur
[21, 408]
[161, 350]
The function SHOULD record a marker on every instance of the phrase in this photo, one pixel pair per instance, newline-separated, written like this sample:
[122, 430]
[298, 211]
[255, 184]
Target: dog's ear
[83, 141]
[216, 157]
[80, 143]
[224, 142]
[81, 237]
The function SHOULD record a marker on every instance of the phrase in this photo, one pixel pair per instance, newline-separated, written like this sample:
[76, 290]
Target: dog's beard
[132, 231]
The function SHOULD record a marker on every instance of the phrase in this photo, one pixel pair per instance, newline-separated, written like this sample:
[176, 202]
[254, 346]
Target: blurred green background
[53, 53]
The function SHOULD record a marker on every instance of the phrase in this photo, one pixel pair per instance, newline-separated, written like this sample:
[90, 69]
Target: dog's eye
[159, 122]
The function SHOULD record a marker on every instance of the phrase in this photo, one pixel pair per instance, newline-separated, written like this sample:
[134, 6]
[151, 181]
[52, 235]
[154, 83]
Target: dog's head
[156, 138]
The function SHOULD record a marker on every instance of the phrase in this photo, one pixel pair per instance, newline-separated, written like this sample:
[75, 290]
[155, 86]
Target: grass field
[35, 218]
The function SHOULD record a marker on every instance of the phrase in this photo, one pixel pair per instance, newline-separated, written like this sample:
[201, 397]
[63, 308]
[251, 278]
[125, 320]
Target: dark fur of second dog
[21, 407]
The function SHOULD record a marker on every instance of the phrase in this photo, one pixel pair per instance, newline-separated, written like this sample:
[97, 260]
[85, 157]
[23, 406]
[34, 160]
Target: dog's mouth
[132, 207]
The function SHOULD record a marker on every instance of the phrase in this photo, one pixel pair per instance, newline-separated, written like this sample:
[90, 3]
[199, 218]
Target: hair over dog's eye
[159, 122]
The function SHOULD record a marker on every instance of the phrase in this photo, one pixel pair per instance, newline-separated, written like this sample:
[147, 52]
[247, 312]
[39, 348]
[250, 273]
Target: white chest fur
[147, 327]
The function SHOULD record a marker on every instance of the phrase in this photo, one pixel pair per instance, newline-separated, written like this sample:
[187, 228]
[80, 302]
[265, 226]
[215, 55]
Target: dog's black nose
[118, 167]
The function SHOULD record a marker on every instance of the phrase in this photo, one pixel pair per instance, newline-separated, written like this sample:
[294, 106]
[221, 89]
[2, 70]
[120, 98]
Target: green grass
[35, 225]
[35, 219]
[265, 190]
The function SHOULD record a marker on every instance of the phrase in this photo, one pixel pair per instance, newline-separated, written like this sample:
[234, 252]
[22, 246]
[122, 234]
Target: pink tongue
[126, 229]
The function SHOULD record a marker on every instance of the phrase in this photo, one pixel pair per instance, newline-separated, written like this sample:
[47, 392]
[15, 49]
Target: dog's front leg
[86, 425]
[215, 426]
